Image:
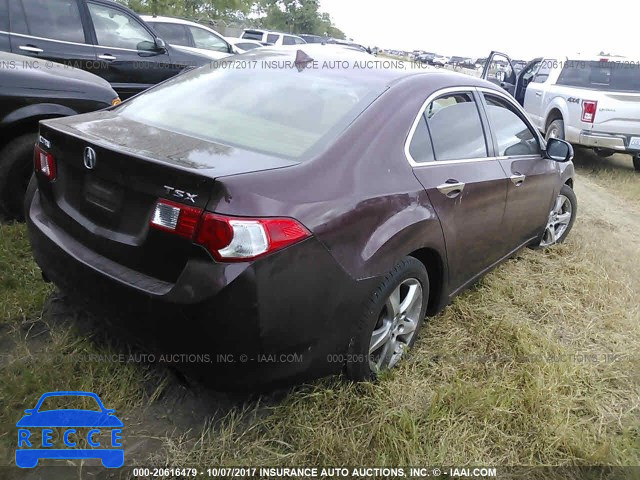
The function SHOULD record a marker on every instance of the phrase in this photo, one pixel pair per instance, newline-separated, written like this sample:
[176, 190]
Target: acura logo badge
[90, 158]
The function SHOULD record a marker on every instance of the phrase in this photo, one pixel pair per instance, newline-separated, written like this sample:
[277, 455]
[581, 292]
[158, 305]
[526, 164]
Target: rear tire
[16, 168]
[406, 288]
[555, 130]
[636, 162]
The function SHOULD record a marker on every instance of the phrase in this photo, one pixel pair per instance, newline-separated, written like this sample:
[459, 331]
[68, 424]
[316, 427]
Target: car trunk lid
[110, 174]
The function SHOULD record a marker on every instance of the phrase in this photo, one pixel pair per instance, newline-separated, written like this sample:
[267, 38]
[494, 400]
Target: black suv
[30, 91]
[99, 36]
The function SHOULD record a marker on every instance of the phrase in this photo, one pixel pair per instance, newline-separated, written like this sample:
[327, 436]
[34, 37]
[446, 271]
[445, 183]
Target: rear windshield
[251, 35]
[277, 111]
[623, 76]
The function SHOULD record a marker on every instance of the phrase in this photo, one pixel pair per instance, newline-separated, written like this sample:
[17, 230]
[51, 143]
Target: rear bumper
[617, 142]
[271, 321]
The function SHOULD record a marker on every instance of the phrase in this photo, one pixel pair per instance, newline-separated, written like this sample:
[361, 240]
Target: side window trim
[517, 109]
[471, 91]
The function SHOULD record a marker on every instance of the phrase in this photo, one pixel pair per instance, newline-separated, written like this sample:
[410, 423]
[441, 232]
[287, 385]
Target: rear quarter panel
[360, 197]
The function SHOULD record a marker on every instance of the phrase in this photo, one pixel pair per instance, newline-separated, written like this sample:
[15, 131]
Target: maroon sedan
[294, 213]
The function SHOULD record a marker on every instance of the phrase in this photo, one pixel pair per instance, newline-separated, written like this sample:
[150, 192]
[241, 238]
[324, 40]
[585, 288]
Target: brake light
[231, 239]
[228, 239]
[44, 163]
[176, 218]
[589, 110]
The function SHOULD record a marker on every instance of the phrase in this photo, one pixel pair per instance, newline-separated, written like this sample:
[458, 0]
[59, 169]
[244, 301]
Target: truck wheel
[555, 130]
[636, 162]
[16, 167]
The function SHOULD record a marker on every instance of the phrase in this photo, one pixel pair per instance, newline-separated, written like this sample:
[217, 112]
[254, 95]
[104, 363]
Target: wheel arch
[434, 263]
[554, 114]
[26, 119]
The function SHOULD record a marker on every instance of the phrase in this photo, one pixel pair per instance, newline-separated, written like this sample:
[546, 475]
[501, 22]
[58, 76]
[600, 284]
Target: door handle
[538, 94]
[107, 56]
[451, 189]
[518, 179]
[30, 48]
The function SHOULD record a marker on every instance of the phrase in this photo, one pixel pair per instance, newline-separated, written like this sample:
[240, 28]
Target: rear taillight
[231, 239]
[176, 218]
[589, 110]
[228, 239]
[44, 163]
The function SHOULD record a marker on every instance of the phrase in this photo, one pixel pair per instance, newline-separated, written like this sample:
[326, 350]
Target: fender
[557, 103]
[38, 111]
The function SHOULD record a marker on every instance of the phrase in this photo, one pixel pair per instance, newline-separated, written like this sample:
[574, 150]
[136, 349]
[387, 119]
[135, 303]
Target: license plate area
[635, 143]
[103, 196]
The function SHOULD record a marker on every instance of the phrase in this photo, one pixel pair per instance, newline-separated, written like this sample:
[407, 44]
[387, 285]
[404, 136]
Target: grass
[614, 172]
[536, 365]
[41, 353]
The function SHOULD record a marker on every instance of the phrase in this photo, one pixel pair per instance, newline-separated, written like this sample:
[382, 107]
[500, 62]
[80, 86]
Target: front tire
[390, 322]
[555, 130]
[16, 167]
[636, 162]
[561, 218]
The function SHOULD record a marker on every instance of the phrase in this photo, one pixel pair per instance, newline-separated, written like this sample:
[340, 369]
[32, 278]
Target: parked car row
[591, 101]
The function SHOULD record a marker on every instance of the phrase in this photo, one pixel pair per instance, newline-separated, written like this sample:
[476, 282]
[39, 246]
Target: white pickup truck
[592, 102]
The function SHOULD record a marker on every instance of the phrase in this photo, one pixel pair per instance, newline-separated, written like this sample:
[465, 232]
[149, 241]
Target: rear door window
[623, 76]
[455, 127]
[287, 40]
[172, 33]
[420, 148]
[4, 15]
[51, 19]
[272, 38]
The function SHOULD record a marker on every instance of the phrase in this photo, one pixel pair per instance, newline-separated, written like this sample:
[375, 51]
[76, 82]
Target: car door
[499, 70]
[466, 185]
[51, 30]
[525, 77]
[126, 50]
[533, 178]
[536, 93]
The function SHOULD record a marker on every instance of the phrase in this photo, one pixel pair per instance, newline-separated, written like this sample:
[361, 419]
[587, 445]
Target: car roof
[262, 30]
[377, 69]
[180, 21]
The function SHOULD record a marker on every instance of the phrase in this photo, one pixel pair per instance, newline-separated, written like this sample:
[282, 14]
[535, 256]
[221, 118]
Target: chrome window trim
[47, 39]
[71, 43]
[518, 107]
[414, 127]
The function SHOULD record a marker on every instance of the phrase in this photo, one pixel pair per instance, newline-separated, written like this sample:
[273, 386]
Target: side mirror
[29, 411]
[559, 150]
[160, 44]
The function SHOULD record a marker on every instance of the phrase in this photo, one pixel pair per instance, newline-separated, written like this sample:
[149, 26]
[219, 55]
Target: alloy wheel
[396, 326]
[559, 220]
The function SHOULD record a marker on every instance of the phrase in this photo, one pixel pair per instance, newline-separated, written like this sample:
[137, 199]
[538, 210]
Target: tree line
[293, 16]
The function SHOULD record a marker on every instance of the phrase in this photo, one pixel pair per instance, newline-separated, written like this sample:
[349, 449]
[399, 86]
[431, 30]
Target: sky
[524, 30]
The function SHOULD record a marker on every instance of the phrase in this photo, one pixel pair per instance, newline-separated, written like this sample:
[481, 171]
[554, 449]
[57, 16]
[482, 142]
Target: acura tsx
[310, 214]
